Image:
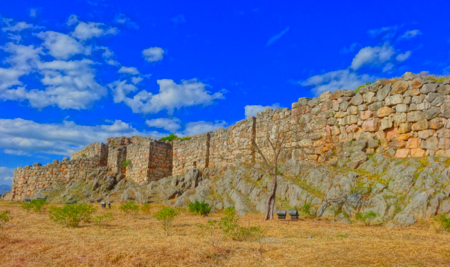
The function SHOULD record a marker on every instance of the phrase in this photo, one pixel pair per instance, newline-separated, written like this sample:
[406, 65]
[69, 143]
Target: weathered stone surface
[415, 116]
[399, 87]
[357, 100]
[383, 112]
[428, 88]
[418, 205]
[382, 93]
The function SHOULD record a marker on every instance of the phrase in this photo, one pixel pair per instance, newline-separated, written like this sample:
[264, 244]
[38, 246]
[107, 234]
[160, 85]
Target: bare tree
[276, 145]
[282, 140]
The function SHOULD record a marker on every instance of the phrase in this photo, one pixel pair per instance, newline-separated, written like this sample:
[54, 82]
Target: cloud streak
[277, 37]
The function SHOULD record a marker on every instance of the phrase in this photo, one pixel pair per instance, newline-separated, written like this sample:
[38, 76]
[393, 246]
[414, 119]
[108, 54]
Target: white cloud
[385, 33]
[122, 19]
[120, 90]
[277, 37]
[61, 46]
[336, 80]
[350, 49]
[33, 12]
[153, 54]
[168, 124]
[373, 56]
[252, 110]
[171, 96]
[84, 31]
[25, 136]
[411, 34]
[129, 70]
[404, 56]
[15, 27]
[193, 128]
[6, 174]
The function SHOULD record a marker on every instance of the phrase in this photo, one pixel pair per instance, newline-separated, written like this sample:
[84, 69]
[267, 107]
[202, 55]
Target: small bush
[200, 208]
[145, 208]
[126, 163]
[72, 214]
[35, 205]
[366, 217]
[166, 216]
[230, 226]
[212, 233]
[129, 208]
[83, 155]
[444, 222]
[4, 218]
[173, 137]
[306, 208]
[99, 220]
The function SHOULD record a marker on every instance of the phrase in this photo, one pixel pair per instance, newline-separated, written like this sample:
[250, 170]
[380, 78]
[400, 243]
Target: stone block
[416, 83]
[384, 112]
[397, 144]
[370, 125]
[386, 123]
[362, 107]
[444, 143]
[364, 115]
[404, 128]
[428, 88]
[352, 110]
[413, 143]
[413, 92]
[325, 96]
[417, 153]
[357, 100]
[393, 100]
[383, 92]
[436, 123]
[390, 133]
[426, 134]
[430, 144]
[420, 125]
[402, 153]
[444, 89]
[399, 87]
[344, 105]
[376, 106]
[340, 114]
[369, 97]
[401, 108]
[415, 116]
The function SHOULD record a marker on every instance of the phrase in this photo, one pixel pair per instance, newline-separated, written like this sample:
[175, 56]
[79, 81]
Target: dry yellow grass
[33, 240]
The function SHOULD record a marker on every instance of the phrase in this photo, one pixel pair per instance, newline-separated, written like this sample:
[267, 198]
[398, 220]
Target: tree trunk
[271, 200]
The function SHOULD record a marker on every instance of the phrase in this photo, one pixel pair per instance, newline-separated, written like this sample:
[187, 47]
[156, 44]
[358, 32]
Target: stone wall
[92, 150]
[29, 179]
[160, 162]
[191, 153]
[116, 158]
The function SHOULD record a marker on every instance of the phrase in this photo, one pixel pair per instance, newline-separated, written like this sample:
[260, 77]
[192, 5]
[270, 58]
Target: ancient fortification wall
[404, 117]
[29, 179]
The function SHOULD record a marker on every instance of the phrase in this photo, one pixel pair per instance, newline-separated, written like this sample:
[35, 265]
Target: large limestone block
[401, 108]
[370, 125]
[369, 97]
[418, 152]
[399, 87]
[402, 153]
[386, 123]
[416, 83]
[384, 112]
[430, 143]
[404, 128]
[393, 100]
[428, 88]
[418, 205]
[444, 89]
[364, 115]
[383, 92]
[420, 125]
[415, 116]
[433, 113]
[357, 100]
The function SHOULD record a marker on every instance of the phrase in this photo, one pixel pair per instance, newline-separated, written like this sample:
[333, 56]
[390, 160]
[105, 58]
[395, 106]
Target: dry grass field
[32, 239]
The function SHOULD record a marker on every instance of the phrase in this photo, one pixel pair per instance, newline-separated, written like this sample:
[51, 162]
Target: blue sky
[82, 71]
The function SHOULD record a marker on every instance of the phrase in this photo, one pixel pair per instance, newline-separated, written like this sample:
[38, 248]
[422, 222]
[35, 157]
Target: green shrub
[72, 214]
[200, 208]
[366, 217]
[36, 205]
[4, 218]
[83, 155]
[445, 222]
[99, 220]
[145, 208]
[129, 208]
[126, 162]
[230, 226]
[211, 232]
[173, 137]
[306, 208]
[166, 216]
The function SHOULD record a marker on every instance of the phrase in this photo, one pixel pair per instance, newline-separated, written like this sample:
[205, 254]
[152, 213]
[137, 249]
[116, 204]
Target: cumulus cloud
[26, 136]
[62, 46]
[277, 37]
[84, 31]
[153, 54]
[15, 27]
[411, 34]
[129, 70]
[6, 175]
[171, 96]
[198, 127]
[404, 56]
[336, 80]
[373, 56]
[252, 110]
[168, 124]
